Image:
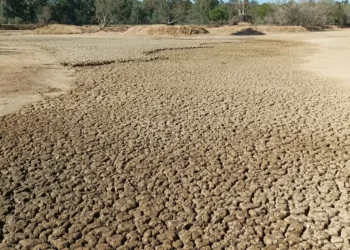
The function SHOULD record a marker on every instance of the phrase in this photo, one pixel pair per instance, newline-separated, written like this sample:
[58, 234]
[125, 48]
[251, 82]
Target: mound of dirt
[282, 29]
[57, 29]
[116, 28]
[183, 30]
[138, 30]
[314, 28]
[243, 30]
[19, 26]
[177, 30]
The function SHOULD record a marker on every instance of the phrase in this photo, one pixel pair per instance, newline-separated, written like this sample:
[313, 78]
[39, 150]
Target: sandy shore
[233, 144]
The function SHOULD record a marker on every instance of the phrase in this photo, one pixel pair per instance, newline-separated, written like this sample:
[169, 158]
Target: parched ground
[228, 145]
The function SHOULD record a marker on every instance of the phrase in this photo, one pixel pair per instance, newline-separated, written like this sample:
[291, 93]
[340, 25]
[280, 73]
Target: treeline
[105, 12]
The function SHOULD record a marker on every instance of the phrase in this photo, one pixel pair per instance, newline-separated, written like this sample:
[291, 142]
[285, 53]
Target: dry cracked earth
[226, 146]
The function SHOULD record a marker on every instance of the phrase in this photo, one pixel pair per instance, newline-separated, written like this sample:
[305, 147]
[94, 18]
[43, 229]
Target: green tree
[3, 18]
[26, 10]
[203, 7]
[218, 14]
[124, 11]
[14, 8]
[84, 11]
[261, 12]
[73, 11]
[139, 13]
[340, 16]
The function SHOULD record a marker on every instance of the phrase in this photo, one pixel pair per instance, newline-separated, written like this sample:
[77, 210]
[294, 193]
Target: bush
[218, 15]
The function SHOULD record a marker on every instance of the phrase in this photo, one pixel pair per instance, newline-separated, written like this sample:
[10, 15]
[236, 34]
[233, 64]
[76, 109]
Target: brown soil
[227, 146]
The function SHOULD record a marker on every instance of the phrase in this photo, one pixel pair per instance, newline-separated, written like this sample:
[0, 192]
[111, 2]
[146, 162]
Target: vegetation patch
[256, 30]
[19, 26]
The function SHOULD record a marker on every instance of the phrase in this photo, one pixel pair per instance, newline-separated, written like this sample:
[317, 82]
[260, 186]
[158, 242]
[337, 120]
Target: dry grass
[19, 26]
[177, 30]
[117, 28]
[229, 30]
[59, 29]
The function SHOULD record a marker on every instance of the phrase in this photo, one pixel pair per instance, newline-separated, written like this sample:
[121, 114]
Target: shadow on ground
[248, 32]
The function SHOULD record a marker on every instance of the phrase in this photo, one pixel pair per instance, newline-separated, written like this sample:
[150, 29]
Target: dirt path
[28, 75]
[233, 146]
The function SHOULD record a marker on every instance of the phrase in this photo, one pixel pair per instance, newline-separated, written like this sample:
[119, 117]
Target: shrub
[218, 15]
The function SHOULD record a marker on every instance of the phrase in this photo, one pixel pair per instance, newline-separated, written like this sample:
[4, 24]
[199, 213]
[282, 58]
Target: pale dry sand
[333, 59]
[233, 144]
[28, 75]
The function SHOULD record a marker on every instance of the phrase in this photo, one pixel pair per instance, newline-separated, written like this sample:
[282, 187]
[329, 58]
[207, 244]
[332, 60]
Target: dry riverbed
[229, 144]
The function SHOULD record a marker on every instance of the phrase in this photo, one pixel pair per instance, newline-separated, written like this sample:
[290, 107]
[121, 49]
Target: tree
[25, 10]
[263, 10]
[203, 7]
[3, 18]
[45, 15]
[83, 11]
[171, 11]
[242, 9]
[139, 14]
[105, 11]
[340, 16]
[73, 11]
[260, 13]
[218, 15]
[14, 8]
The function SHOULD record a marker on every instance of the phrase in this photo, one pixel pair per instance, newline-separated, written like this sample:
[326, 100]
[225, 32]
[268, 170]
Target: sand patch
[29, 75]
[332, 59]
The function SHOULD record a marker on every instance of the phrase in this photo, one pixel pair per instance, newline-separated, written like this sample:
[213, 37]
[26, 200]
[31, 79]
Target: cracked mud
[226, 147]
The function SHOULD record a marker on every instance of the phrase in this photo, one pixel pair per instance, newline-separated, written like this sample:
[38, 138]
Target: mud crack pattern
[229, 147]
